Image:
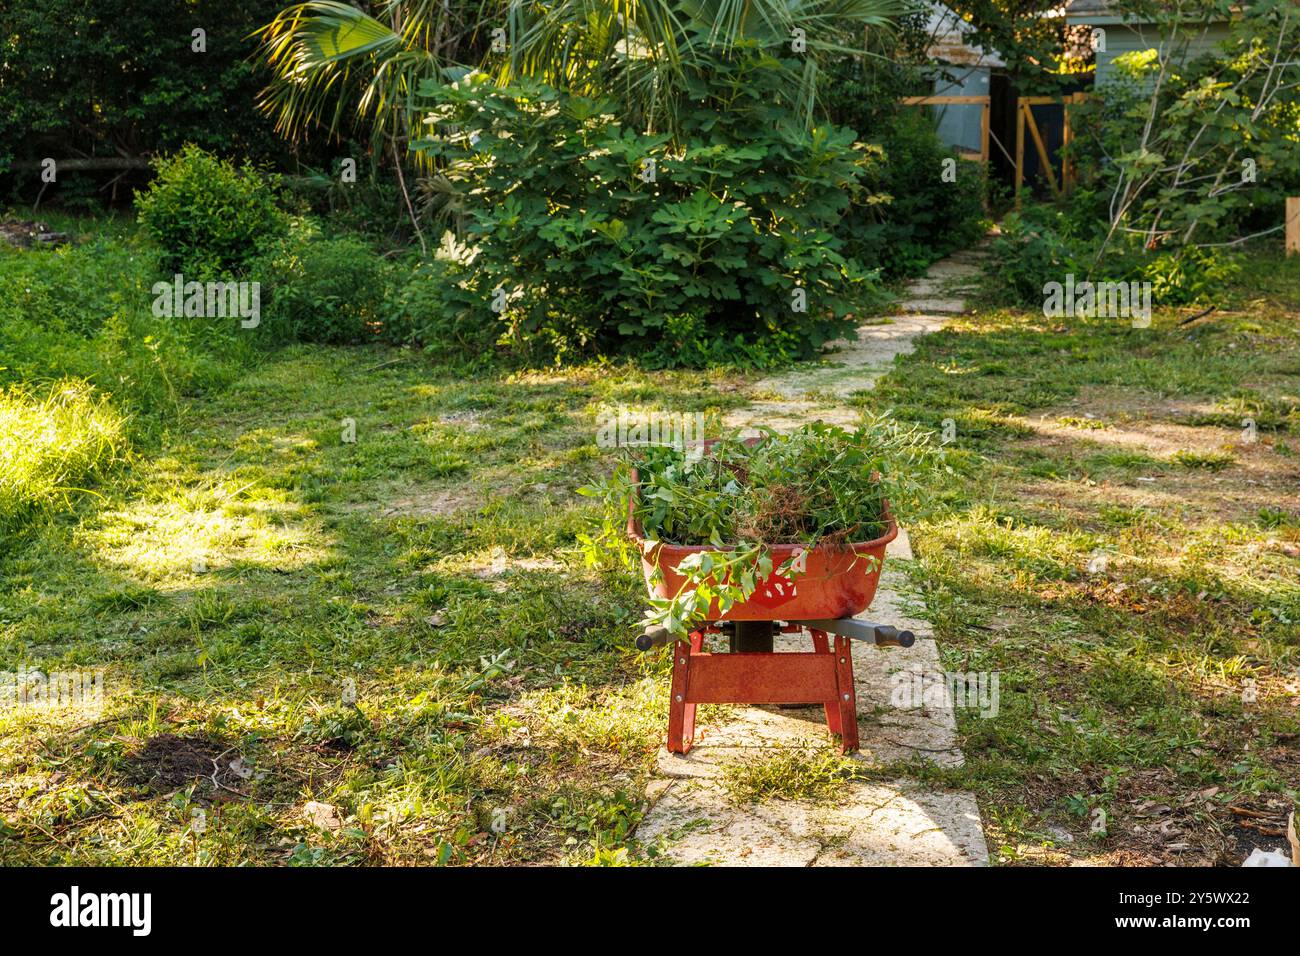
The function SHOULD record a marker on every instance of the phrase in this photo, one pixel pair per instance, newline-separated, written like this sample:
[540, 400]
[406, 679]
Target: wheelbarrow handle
[653, 637]
[882, 635]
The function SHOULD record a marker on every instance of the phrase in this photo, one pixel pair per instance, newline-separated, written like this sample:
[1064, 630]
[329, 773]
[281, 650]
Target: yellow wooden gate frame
[1025, 119]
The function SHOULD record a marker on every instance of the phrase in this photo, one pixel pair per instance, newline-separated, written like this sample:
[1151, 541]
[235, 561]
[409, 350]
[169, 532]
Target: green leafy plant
[84, 311]
[593, 236]
[1187, 275]
[818, 485]
[208, 217]
[1027, 254]
[437, 305]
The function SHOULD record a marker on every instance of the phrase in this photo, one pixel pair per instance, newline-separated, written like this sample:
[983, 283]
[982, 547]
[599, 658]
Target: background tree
[1028, 34]
[1202, 146]
[115, 81]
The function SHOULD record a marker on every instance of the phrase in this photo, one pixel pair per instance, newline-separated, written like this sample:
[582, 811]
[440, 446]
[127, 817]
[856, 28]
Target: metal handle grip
[889, 636]
[653, 637]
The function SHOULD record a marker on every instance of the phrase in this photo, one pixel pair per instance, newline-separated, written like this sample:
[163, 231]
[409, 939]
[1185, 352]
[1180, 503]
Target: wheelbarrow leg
[822, 646]
[848, 698]
[681, 714]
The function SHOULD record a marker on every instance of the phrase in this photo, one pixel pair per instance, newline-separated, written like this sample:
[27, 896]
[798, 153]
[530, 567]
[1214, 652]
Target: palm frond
[332, 64]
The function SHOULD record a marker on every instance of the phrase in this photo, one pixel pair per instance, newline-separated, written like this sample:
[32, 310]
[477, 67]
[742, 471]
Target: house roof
[947, 31]
[1087, 6]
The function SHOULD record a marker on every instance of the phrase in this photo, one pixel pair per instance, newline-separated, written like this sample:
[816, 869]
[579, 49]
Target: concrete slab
[897, 823]
[944, 306]
[952, 268]
[788, 415]
[942, 287]
[855, 366]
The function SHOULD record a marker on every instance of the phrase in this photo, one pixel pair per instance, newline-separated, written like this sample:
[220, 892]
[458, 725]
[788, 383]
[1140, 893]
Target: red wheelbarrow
[838, 582]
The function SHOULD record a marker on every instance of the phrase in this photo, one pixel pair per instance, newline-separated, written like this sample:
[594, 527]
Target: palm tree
[332, 62]
[334, 65]
[642, 52]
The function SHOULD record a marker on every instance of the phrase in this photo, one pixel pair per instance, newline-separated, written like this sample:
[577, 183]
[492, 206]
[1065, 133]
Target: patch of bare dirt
[468, 420]
[168, 762]
[1114, 403]
[418, 501]
[1258, 822]
[498, 566]
[1193, 497]
[431, 504]
[1148, 823]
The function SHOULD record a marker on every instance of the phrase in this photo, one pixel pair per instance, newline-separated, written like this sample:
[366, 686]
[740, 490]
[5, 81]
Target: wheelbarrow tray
[838, 580]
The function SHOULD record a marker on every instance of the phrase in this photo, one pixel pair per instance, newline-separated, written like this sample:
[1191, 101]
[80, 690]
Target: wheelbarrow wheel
[752, 637]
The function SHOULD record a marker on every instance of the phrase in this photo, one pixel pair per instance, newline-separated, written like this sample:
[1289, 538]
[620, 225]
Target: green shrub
[581, 249]
[1045, 243]
[207, 217]
[1188, 275]
[434, 305]
[53, 442]
[320, 290]
[907, 215]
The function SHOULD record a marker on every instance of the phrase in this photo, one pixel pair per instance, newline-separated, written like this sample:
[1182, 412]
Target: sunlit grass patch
[175, 541]
[55, 442]
[1044, 552]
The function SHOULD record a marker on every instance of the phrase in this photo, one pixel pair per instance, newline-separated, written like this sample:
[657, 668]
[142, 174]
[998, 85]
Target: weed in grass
[1208, 461]
[789, 774]
[1271, 517]
[1071, 421]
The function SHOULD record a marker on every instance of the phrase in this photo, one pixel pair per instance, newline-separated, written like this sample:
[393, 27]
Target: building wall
[1124, 38]
[959, 124]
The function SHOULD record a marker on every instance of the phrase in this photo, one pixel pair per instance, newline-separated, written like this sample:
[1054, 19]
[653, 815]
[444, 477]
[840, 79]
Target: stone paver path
[883, 822]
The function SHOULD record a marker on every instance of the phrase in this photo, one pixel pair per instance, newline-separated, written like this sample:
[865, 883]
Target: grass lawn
[1109, 542]
[1125, 552]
